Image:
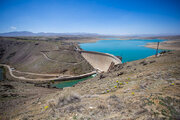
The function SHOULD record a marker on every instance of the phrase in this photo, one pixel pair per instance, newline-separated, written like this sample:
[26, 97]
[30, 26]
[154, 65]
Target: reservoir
[70, 83]
[129, 50]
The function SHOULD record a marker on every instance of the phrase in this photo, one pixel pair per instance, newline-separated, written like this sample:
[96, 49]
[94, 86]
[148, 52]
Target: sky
[115, 17]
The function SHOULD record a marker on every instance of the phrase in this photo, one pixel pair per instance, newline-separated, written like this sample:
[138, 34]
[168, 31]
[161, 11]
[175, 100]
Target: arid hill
[143, 89]
[42, 57]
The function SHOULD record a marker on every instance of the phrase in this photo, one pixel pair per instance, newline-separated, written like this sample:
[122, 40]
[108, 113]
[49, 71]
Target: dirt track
[59, 78]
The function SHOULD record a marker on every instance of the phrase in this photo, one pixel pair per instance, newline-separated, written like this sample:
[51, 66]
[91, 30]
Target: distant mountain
[27, 33]
[17, 33]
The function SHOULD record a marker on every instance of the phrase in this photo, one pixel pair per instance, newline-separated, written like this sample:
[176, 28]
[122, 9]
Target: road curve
[60, 78]
[50, 59]
[29, 73]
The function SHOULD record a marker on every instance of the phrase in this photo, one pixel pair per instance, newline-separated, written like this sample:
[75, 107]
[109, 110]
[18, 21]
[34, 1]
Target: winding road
[60, 78]
[52, 60]
[29, 73]
[46, 57]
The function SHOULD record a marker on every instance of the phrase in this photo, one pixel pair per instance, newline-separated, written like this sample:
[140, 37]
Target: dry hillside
[42, 57]
[145, 89]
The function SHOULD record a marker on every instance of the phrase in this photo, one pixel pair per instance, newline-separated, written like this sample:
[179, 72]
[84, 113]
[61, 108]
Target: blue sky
[92, 16]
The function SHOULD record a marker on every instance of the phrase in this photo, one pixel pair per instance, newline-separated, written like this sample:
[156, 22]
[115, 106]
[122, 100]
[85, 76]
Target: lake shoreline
[98, 39]
[128, 49]
[165, 45]
[168, 44]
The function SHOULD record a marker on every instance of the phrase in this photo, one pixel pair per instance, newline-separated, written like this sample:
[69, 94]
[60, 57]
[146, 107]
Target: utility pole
[157, 49]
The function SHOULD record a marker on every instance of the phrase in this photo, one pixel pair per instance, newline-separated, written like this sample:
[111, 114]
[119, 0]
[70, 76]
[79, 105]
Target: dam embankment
[33, 60]
[100, 61]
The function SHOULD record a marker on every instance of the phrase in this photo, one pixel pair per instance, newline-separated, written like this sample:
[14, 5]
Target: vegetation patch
[3, 72]
[68, 99]
[168, 107]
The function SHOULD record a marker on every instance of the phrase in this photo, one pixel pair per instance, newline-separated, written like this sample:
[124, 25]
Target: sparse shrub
[121, 73]
[74, 117]
[164, 51]
[71, 98]
[101, 107]
[46, 107]
[121, 83]
[143, 63]
[74, 108]
[167, 106]
[113, 96]
[152, 61]
[102, 76]
[118, 84]
[115, 103]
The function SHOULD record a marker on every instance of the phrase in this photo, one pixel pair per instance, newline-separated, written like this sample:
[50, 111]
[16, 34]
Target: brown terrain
[144, 89]
[42, 57]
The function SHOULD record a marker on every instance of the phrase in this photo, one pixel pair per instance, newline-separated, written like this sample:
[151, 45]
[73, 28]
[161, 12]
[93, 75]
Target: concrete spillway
[100, 61]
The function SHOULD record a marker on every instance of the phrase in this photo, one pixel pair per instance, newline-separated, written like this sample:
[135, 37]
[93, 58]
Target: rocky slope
[143, 89]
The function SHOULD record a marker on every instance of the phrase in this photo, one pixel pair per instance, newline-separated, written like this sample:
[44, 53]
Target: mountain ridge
[27, 33]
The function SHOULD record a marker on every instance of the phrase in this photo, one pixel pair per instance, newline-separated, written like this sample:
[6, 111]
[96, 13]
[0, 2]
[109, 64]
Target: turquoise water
[129, 50]
[71, 82]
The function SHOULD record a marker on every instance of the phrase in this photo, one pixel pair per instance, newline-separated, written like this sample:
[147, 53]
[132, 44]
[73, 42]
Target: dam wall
[100, 61]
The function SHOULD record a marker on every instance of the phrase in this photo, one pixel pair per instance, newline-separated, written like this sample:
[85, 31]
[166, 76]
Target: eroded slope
[43, 57]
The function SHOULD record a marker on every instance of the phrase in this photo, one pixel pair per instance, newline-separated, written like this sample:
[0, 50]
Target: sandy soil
[166, 45]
